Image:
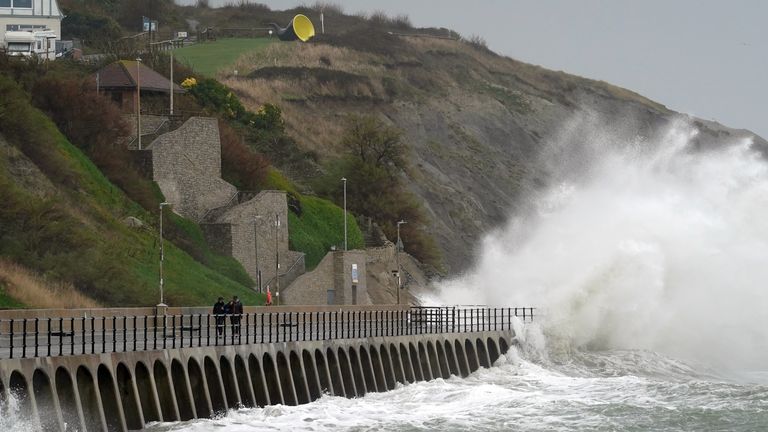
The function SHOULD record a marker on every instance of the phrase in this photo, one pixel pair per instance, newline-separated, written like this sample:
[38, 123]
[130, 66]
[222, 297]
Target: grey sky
[707, 58]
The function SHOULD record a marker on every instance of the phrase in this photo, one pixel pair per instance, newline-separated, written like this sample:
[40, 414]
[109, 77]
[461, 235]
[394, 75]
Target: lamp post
[162, 256]
[256, 237]
[344, 180]
[138, 100]
[277, 258]
[171, 82]
[398, 246]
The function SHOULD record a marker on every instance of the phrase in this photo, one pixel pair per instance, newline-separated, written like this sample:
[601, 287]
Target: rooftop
[124, 74]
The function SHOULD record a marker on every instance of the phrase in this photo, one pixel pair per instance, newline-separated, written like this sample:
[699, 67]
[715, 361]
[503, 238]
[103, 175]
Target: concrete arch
[3, 398]
[218, 404]
[471, 356]
[397, 367]
[461, 359]
[357, 372]
[310, 372]
[19, 389]
[482, 353]
[424, 362]
[164, 392]
[442, 360]
[434, 363]
[405, 363]
[451, 359]
[286, 383]
[418, 375]
[243, 384]
[182, 391]
[493, 352]
[334, 369]
[323, 375]
[147, 396]
[299, 379]
[346, 374]
[68, 400]
[503, 346]
[113, 413]
[228, 379]
[257, 381]
[390, 374]
[89, 400]
[272, 380]
[126, 391]
[46, 406]
[199, 391]
[369, 374]
[382, 369]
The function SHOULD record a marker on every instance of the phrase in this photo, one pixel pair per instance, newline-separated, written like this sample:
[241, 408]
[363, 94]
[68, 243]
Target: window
[22, 27]
[21, 3]
[5, 3]
[18, 47]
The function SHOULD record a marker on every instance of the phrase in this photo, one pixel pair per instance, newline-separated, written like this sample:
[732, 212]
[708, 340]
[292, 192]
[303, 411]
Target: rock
[133, 222]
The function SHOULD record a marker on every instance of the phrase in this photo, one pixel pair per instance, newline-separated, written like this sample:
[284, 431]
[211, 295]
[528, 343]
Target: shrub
[241, 165]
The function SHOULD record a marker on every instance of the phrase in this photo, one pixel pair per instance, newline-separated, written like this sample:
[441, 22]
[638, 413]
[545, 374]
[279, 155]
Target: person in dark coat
[236, 309]
[219, 309]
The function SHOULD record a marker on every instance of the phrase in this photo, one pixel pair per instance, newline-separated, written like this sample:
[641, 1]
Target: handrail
[47, 337]
[154, 132]
[285, 272]
[205, 215]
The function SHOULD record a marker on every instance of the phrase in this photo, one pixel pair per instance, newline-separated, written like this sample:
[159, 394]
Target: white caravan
[41, 43]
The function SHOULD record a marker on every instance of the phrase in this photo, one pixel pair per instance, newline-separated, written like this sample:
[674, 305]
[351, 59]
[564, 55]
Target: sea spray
[641, 244]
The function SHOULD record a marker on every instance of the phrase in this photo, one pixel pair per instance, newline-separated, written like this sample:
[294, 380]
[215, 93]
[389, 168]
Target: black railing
[45, 337]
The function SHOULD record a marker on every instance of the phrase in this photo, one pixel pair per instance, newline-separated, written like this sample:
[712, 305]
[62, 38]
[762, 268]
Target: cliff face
[476, 124]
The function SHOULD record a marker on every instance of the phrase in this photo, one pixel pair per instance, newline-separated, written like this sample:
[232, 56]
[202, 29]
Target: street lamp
[138, 100]
[256, 236]
[277, 258]
[162, 256]
[398, 246]
[344, 179]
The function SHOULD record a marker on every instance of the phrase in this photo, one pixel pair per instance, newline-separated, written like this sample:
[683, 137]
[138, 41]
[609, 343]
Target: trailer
[39, 43]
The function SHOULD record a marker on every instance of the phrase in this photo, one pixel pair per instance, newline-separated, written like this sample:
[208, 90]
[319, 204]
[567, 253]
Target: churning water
[649, 263]
[648, 260]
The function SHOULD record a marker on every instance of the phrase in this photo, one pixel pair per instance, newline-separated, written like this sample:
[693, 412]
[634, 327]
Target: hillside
[474, 122]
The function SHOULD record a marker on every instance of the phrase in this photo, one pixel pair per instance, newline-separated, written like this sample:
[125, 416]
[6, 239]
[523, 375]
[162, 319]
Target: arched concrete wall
[120, 392]
[127, 391]
[69, 401]
[47, 409]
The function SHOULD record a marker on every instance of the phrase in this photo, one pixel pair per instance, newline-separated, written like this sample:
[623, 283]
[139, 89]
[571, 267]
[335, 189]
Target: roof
[122, 74]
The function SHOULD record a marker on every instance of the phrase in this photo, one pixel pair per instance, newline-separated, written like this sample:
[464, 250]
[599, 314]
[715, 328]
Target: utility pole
[398, 246]
[162, 256]
[344, 179]
[277, 258]
[138, 100]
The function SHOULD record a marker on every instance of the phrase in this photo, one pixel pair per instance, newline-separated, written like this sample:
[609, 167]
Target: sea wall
[125, 390]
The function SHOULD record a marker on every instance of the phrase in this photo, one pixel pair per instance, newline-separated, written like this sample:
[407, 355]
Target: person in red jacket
[269, 297]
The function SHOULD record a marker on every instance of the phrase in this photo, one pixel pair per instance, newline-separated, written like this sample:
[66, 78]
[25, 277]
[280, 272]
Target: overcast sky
[704, 57]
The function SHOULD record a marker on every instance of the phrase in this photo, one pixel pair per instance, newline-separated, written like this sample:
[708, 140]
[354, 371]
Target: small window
[22, 4]
[6, 3]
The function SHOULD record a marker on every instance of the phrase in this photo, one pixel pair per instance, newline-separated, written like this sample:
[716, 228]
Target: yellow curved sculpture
[300, 28]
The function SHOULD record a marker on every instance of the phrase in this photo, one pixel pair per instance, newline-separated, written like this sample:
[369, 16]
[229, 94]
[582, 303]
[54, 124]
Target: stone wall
[381, 254]
[187, 167]
[333, 273]
[254, 235]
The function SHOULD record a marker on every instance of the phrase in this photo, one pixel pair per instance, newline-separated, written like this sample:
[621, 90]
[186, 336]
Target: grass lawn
[208, 58]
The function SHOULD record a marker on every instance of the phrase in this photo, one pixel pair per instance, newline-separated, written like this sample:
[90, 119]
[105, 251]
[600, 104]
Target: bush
[240, 165]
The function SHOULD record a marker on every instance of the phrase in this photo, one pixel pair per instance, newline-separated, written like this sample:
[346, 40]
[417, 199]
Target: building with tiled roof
[120, 79]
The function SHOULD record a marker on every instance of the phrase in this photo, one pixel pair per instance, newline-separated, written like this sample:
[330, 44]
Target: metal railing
[45, 337]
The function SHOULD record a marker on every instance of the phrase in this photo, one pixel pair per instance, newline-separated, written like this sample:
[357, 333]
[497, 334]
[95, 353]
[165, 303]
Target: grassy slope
[320, 226]
[110, 262]
[208, 58]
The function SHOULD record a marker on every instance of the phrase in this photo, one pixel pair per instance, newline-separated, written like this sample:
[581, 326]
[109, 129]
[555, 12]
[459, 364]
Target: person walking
[219, 309]
[269, 298]
[236, 309]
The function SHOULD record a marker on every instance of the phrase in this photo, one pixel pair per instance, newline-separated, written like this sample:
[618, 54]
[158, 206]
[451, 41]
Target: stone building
[340, 278]
[120, 80]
